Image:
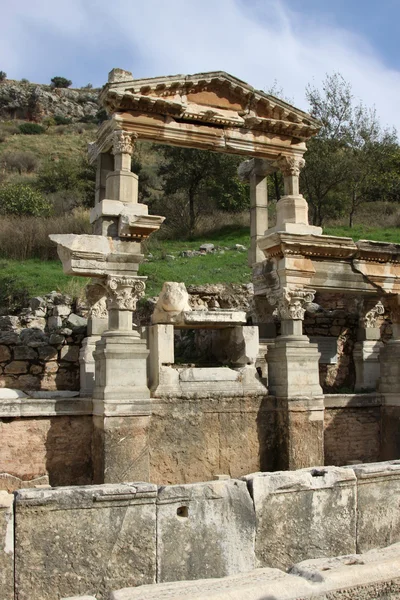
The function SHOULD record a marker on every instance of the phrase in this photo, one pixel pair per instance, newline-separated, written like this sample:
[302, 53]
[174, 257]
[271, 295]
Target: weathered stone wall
[57, 447]
[39, 349]
[352, 429]
[94, 539]
[194, 439]
[190, 439]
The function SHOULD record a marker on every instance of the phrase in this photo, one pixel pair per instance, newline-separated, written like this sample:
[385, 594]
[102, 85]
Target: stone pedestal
[293, 378]
[292, 208]
[293, 367]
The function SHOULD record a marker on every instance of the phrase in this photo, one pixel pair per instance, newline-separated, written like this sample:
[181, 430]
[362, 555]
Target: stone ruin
[141, 417]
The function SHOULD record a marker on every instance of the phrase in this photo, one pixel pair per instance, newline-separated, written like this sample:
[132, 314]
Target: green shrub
[60, 120]
[3, 75]
[23, 80]
[31, 129]
[88, 119]
[23, 162]
[21, 199]
[68, 175]
[60, 82]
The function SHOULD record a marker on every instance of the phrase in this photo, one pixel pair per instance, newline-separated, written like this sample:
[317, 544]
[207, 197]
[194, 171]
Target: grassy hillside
[20, 280]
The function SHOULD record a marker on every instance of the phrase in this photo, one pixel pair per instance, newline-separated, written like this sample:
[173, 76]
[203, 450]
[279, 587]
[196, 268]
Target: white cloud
[257, 40]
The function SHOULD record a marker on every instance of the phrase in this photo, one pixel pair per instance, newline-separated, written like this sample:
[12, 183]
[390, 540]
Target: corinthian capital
[96, 298]
[124, 292]
[291, 165]
[370, 318]
[291, 302]
[123, 142]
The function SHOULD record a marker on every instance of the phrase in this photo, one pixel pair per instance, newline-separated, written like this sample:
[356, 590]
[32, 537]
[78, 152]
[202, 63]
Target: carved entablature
[124, 292]
[291, 302]
[212, 110]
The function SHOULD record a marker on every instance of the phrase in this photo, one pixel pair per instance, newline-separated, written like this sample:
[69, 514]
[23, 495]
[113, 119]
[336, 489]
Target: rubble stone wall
[111, 536]
[39, 348]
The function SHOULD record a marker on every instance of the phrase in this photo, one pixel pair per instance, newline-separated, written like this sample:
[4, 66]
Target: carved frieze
[291, 302]
[124, 292]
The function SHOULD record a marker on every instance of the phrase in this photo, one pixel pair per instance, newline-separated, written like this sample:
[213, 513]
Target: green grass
[20, 280]
[362, 232]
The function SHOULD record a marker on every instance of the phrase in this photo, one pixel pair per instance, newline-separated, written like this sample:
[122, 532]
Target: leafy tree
[20, 199]
[202, 178]
[67, 175]
[3, 76]
[342, 161]
[60, 82]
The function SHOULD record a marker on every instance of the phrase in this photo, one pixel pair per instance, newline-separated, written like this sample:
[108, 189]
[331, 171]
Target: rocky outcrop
[34, 102]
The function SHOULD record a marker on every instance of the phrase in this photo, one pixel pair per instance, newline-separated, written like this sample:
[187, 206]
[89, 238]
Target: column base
[292, 216]
[293, 367]
[121, 375]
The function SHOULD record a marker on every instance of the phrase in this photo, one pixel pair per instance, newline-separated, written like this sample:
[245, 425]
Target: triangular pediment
[214, 98]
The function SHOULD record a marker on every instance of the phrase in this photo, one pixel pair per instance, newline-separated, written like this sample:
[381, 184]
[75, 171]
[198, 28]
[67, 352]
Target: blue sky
[294, 42]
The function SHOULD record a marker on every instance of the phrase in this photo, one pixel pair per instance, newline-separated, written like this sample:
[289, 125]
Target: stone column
[97, 325]
[255, 171]
[105, 164]
[292, 208]
[293, 378]
[367, 348]
[258, 209]
[389, 386]
[121, 399]
[118, 186]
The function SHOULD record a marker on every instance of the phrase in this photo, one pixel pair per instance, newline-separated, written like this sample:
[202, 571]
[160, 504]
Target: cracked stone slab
[308, 513]
[84, 539]
[204, 530]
